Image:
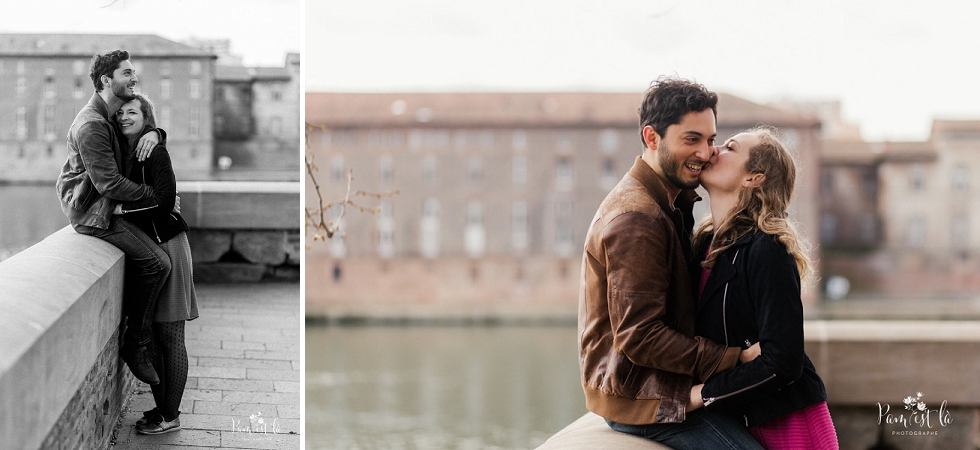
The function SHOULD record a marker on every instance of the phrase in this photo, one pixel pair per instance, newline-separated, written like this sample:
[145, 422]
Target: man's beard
[671, 168]
[121, 91]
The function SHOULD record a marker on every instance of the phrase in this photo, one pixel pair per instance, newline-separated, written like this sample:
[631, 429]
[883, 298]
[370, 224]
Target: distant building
[47, 79]
[497, 190]
[257, 122]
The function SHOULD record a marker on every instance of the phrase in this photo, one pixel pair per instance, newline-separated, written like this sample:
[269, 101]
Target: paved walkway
[244, 356]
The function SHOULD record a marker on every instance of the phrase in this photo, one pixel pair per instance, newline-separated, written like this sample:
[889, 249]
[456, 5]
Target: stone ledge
[62, 303]
[256, 205]
[590, 432]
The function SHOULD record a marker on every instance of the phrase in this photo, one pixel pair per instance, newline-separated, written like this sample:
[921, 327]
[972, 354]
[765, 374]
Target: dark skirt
[178, 300]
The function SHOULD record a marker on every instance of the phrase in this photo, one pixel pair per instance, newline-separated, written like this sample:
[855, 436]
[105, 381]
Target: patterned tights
[171, 366]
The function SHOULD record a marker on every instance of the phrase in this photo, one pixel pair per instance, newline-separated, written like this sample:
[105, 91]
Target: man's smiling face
[686, 147]
[123, 82]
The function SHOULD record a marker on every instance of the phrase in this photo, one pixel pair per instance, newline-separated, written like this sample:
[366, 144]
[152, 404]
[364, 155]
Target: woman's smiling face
[130, 118]
[725, 171]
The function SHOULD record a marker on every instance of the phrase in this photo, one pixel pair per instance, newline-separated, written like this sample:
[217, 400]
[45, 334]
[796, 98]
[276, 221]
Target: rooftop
[86, 45]
[513, 108]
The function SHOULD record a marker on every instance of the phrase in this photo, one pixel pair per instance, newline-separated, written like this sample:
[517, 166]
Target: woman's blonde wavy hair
[763, 208]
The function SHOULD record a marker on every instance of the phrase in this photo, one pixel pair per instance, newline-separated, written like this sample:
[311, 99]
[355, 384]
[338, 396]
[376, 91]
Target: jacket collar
[99, 105]
[724, 269]
[659, 189]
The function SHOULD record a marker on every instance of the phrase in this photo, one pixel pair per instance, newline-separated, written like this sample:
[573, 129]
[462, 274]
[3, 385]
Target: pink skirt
[809, 428]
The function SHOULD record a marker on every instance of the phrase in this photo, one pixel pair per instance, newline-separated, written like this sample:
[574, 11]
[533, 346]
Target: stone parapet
[61, 382]
[242, 231]
[898, 384]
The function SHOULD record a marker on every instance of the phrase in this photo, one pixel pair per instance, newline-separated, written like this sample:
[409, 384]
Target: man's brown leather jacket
[637, 349]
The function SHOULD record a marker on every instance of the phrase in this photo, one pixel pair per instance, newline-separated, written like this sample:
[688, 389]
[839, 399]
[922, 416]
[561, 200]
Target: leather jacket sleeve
[638, 253]
[774, 290]
[95, 150]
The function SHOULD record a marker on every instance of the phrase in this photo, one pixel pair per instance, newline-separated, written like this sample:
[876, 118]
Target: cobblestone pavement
[243, 386]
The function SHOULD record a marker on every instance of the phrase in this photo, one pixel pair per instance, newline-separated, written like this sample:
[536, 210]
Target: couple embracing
[695, 338]
[118, 185]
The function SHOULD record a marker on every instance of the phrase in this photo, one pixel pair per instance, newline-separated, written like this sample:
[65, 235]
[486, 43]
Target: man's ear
[651, 138]
[754, 180]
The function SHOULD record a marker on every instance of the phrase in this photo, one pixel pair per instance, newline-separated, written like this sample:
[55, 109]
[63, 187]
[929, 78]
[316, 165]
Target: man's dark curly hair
[669, 99]
[105, 64]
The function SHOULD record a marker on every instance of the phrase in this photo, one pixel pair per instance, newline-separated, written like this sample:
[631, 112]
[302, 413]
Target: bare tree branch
[316, 217]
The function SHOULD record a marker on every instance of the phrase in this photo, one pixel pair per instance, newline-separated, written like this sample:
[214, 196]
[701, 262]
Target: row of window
[83, 87]
[563, 170]
[474, 232]
[81, 67]
[959, 180]
[48, 127]
[608, 140]
[915, 231]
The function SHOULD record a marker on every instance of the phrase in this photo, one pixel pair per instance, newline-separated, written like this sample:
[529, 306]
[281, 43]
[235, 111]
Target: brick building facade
[496, 192]
[47, 79]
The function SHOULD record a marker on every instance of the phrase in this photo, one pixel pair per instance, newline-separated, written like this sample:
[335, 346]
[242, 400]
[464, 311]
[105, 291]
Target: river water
[439, 387]
[28, 214]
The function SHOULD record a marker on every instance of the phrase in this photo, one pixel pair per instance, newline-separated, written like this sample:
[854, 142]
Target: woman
[751, 293]
[178, 299]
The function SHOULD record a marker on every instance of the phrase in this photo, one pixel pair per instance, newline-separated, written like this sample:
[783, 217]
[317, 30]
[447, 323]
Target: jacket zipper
[711, 400]
[724, 305]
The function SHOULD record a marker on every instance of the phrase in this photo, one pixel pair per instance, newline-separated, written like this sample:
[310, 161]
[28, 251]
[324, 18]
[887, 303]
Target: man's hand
[146, 145]
[695, 401]
[177, 204]
[750, 353]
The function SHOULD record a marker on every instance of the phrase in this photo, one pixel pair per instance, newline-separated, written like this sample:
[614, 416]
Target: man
[638, 353]
[92, 186]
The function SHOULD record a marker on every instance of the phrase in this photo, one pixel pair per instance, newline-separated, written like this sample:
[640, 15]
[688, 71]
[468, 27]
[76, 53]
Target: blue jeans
[700, 430]
[147, 269]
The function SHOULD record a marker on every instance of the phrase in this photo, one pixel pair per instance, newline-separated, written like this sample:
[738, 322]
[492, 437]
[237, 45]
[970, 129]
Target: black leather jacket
[160, 222]
[753, 295]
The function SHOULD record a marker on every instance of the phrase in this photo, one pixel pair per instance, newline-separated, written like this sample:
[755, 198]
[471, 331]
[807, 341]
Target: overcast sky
[894, 65]
[261, 31]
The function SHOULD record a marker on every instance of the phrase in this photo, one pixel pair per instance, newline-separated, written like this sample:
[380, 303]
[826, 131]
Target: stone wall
[242, 231]
[61, 382]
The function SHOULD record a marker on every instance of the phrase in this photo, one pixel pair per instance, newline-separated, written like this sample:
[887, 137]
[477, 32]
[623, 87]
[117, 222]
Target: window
[165, 88]
[194, 122]
[49, 131]
[475, 236]
[337, 169]
[827, 182]
[870, 183]
[518, 227]
[869, 228]
[429, 229]
[386, 231]
[195, 67]
[163, 117]
[275, 126]
[609, 176]
[916, 232]
[828, 228]
[21, 86]
[564, 238]
[21, 122]
[21, 67]
[429, 170]
[519, 170]
[518, 140]
[195, 89]
[166, 67]
[79, 88]
[49, 90]
[385, 169]
[917, 177]
[608, 140]
[563, 175]
[961, 178]
[78, 67]
[474, 169]
[960, 233]
[338, 248]
[564, 140]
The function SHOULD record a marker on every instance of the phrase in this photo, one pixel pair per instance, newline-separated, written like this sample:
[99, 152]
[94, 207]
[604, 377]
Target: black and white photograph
[150, 240]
